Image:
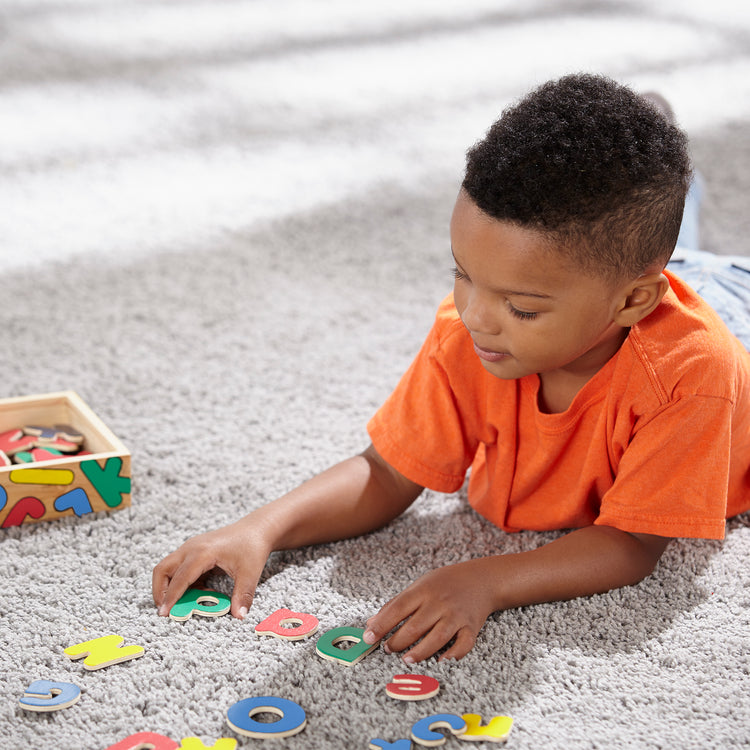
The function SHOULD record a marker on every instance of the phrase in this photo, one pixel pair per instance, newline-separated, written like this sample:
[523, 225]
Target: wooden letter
[145, 741]
[423, 732]
[200, 602]
[240, 718]
[43, 695]
[26, 506]
[194, 743]
[327, 645]
[303, 625]
[107, 481]
[412, 687]
[76, 500]
[101, 652]
[498, 730]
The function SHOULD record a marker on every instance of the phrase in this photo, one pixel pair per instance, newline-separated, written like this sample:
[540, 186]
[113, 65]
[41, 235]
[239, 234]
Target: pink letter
[302, 625]
[412, 687]
[145, 741]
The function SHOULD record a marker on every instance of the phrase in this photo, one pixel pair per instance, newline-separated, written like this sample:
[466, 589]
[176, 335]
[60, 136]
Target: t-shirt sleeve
[420, 430]
[672, 478]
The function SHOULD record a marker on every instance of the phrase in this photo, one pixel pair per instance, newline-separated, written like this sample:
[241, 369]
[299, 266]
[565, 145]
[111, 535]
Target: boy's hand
[235, 549]
[450, 603]
[453, 602]
[353, 497]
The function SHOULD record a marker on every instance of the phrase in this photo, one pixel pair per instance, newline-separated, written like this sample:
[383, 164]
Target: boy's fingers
[242, 596]
[435, 634]
[427, 647]
[160, 578]
[437, 638]
[418, 625]
[390, 615]
[178, 584]
[465, 641]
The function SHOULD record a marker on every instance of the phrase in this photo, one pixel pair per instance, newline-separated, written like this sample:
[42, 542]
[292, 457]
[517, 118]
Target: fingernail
[243, 613]
[387, 649]
[369, 637]
[163, 611]
[409, 660]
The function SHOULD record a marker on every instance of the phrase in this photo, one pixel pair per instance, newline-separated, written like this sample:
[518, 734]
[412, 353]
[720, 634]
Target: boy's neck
[558, 388]
[555, 395]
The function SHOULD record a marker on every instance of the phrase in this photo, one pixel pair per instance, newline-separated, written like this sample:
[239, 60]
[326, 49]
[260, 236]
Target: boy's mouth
[488, 355]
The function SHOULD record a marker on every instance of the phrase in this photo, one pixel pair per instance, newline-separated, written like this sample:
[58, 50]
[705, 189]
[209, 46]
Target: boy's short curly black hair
[592, 165]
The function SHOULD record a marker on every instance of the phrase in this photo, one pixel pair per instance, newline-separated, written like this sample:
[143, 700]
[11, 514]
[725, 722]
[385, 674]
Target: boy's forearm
[356, 496]
[591, 560]
[446, 608]
[351, 498]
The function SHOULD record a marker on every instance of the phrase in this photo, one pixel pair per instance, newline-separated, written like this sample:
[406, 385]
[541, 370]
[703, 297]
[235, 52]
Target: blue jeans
[689, 235]
[722, 280]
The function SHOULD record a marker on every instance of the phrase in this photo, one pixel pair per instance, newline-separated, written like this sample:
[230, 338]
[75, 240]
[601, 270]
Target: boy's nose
[479, 316]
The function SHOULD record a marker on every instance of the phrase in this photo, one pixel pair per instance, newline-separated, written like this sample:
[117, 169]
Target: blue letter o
[240, 717]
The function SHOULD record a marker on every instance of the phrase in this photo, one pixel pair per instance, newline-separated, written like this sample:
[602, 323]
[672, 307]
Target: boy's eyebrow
[518, 293]
[512, 292]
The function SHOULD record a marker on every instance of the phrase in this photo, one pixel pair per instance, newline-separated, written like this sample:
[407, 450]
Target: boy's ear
[640, 298]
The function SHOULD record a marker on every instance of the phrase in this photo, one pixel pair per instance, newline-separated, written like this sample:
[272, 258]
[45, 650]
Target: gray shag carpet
[224, 224]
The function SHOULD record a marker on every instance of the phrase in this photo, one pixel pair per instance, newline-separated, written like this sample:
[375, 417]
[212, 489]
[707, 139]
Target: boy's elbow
[647, 552]
[392, 479]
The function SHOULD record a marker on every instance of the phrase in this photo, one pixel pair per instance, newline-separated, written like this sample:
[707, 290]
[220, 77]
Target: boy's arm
[351, 498]
[452, 603]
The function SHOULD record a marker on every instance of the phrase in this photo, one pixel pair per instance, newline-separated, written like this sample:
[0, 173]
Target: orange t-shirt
[657, 442]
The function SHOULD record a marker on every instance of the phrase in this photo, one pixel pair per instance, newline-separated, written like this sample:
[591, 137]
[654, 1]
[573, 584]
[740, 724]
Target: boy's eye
[521, 314]
[458, 274]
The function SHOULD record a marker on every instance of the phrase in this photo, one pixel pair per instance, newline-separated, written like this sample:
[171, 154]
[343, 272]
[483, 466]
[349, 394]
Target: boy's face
[527, 308]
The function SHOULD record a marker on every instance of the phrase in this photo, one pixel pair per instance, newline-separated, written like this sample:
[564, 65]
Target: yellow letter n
[101, 652]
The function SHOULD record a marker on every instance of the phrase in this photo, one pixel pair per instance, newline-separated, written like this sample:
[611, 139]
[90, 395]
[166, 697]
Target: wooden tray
[68, 486]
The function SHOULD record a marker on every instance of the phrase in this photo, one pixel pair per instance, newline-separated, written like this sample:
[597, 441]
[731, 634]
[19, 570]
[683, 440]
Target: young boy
[586, 388]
